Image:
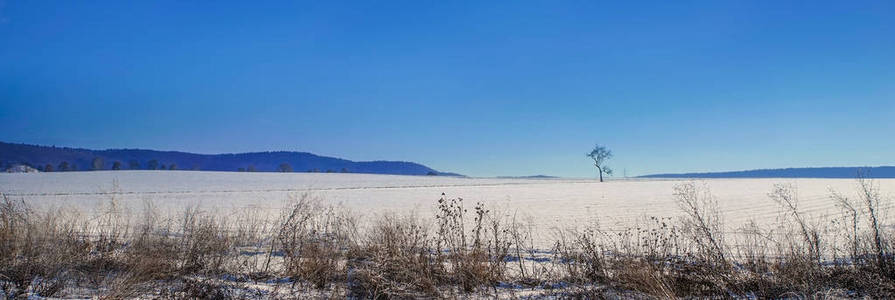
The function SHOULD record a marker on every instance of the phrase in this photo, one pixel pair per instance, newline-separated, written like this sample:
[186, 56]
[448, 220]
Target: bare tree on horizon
[600, 155]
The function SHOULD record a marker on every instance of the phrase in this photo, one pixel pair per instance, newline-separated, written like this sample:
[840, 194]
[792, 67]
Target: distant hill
[827, 172]
[69, 159]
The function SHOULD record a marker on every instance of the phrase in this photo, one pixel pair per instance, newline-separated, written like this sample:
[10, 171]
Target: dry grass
[314, 240]
[329, 252]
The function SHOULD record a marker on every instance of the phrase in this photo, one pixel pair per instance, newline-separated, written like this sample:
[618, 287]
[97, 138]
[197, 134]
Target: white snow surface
[547, 204]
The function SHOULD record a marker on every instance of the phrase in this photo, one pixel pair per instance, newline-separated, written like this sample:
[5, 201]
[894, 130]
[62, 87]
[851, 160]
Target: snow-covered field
[545, 203]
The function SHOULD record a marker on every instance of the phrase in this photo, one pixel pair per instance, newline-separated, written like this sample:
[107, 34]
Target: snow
[548, 204]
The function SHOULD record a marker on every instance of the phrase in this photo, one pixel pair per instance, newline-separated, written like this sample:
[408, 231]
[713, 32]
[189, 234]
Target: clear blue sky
[472, 87]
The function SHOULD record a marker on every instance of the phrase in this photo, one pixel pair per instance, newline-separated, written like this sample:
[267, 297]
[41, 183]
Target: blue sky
[477, 87]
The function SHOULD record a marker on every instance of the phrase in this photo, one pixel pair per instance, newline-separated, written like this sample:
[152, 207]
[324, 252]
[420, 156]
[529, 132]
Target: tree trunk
[600, 171]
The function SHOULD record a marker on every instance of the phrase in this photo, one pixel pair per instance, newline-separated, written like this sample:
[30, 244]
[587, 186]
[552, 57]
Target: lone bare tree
[600, 155]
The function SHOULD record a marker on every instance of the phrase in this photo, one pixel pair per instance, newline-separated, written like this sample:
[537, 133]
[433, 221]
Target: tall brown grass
[321, 250]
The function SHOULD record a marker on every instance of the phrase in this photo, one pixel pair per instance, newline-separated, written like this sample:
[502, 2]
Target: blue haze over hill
[828, 172]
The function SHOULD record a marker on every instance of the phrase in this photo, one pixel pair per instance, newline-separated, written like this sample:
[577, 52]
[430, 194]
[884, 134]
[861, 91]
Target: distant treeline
[55, 159]
[826, 172]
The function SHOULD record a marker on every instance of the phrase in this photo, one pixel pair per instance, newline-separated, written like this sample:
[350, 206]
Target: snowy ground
[547, 204]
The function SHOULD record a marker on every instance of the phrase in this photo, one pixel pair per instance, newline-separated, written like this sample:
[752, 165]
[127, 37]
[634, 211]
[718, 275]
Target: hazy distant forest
[55, 159]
